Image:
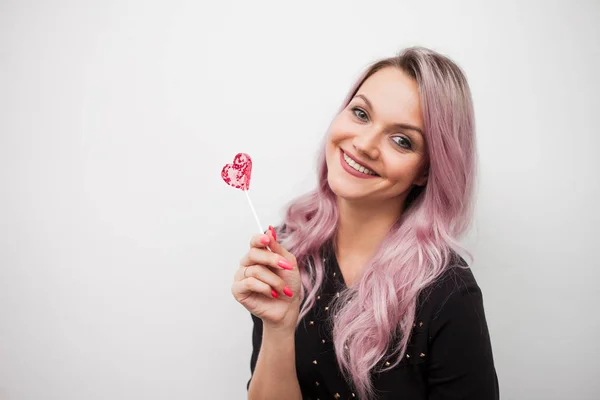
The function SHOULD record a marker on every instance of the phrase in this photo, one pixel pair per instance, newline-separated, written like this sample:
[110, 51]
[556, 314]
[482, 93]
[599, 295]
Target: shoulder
[455, 291]
[460, 356]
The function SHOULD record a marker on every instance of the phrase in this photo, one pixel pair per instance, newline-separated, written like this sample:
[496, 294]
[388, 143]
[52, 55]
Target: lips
[346, 167]
[359, 162]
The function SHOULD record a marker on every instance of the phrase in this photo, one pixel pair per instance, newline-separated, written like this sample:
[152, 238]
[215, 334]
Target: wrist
[287, 326]
[279, 334]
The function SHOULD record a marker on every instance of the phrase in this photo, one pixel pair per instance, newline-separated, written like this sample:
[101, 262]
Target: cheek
[403, 169]
[335, 134]
[330, 146]
[331, 143]
[340, 129]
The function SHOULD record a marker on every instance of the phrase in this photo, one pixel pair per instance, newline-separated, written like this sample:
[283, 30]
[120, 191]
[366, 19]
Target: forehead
[394, 96]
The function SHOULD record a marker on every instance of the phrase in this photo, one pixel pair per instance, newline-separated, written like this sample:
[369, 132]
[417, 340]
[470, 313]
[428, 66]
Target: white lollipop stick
[255, 215]
[254, 212]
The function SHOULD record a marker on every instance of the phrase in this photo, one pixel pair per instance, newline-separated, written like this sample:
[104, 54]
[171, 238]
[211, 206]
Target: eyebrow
[402, 126]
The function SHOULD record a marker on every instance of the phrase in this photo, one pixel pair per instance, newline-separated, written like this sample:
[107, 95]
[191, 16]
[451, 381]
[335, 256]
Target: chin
[345, 189]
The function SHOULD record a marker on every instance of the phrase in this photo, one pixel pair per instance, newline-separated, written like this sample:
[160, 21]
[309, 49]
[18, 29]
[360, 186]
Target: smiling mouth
[356, 166]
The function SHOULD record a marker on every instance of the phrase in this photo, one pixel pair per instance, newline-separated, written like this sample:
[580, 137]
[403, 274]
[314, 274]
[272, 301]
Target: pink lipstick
[352, 171]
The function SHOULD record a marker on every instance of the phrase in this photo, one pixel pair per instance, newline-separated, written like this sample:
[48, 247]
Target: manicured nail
[265, 240]
[273, 232]
[285, 264]
[274, 294]
[287, 291]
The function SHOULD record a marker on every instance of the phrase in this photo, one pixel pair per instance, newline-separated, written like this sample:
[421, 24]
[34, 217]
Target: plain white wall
[119, 241]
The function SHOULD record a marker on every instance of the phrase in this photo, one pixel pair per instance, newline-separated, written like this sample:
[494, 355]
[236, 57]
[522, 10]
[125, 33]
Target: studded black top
[449, 355]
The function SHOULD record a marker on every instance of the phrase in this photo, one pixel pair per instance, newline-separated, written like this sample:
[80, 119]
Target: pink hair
[418, 248]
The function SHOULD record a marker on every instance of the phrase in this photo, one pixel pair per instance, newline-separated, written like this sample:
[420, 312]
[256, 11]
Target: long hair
[378, 312]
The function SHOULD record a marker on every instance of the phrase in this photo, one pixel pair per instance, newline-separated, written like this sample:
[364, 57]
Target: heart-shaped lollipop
[238, 174]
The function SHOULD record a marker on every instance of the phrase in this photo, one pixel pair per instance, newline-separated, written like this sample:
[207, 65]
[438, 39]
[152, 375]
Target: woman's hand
[268, 283]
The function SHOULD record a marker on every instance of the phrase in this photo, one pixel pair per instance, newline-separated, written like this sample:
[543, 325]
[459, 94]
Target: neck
[361, 228]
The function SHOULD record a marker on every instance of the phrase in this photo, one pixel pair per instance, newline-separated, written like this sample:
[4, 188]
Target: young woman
[363, 294]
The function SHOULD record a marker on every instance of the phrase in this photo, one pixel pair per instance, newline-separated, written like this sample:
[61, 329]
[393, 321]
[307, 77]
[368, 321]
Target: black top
[449, 355]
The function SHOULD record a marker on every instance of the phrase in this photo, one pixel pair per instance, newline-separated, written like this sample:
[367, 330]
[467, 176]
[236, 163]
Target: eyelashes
[354, 111]
[402, 142]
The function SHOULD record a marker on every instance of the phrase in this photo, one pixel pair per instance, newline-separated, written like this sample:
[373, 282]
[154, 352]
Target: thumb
[279, 249]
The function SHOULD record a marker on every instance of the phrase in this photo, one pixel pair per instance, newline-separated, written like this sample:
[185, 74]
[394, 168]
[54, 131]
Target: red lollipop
[238, 174]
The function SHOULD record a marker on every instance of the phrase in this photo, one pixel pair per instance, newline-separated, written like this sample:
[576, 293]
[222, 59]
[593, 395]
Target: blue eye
[402, 142]
[356, 111]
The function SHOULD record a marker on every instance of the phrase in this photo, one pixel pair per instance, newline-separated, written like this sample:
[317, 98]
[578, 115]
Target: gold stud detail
[318, 297]
[353, 395]
[323, 340]
[312, 322]
[334, 274]
[315, 362]
[336, 396]
[387, 363]
[337, 294]
[317, 383]
[408, 356]
[420, 324]
[422, 355]
[326, 308]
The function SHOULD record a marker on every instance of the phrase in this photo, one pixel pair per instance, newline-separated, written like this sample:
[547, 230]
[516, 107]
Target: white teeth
[357, 166]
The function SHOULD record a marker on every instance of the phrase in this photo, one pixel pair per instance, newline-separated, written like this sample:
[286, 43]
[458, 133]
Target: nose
[367, 143]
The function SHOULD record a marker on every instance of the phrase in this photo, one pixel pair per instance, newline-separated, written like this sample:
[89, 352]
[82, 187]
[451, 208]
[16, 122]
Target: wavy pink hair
[418, 248]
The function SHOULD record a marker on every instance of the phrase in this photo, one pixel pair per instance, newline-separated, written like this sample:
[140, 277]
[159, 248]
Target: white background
[119, 241]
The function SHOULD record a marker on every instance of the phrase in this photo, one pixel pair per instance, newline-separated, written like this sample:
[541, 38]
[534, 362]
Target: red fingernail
[287, 291]
[265, 240]
[273, 232]
[285, 264]
[274, 294]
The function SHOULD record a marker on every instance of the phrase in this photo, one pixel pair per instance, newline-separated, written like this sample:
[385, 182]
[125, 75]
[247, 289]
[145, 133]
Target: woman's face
[380, 129]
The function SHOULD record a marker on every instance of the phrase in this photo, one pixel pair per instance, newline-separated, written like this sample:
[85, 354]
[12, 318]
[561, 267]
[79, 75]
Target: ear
[422, 179]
